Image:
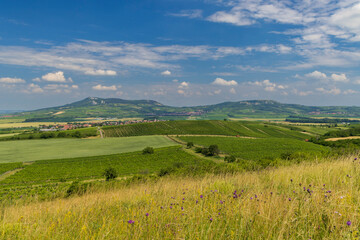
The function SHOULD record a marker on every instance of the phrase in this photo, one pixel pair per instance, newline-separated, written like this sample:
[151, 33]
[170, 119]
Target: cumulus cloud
[268, 85]
[316, 75]
[166, 73]
[184, 85]
[339, 77]
[100, 87]
[11, 80]
[34, 88]
[101, 72]
[54, 77]
[332, 91]
[223, 82]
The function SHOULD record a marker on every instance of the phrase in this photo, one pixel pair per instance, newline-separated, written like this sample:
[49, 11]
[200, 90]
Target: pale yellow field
[27, 124]
[305, 201]
[8, 135]
[341, 138]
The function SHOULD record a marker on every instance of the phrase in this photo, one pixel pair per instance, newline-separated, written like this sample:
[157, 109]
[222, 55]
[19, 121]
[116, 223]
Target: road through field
[31, 150]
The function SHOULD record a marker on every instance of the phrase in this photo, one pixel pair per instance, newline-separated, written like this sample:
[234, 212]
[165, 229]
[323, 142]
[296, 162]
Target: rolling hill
[93, 107]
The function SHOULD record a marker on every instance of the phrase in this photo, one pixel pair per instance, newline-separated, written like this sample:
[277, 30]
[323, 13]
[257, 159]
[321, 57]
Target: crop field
[257, 149]
[5, 167]
[31, 150]
[93, 167]
[295, 202]
[248, 129]
[26, 124]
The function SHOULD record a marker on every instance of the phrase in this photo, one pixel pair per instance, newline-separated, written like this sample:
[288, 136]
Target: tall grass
[305, 201]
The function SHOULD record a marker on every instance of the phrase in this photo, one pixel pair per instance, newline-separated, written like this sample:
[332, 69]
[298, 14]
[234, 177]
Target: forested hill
[93, 107]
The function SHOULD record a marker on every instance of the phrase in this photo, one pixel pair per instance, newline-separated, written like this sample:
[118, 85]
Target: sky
[179, 52]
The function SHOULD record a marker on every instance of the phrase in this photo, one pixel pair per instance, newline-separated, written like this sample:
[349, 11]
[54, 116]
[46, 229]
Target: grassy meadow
[305, 201]
[31, 150]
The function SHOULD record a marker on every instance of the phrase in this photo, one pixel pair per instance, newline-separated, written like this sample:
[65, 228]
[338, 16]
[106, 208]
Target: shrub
[190, 144]
[214, 150]
[110, 173]
[205, 151]
[148, 150]
[230, 159]
[198, 149]
[77, 134]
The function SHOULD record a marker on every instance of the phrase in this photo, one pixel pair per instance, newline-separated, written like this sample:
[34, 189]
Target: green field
[256, 149]
[248, 129]
[93, 167]
[31, 150]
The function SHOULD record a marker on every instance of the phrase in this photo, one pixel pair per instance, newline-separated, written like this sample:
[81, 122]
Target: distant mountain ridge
[94, 107]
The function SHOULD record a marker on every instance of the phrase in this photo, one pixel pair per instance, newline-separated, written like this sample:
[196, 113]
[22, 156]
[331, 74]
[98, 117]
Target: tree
[190, 144]
[110, 173]
[214, 150]
[148, 150]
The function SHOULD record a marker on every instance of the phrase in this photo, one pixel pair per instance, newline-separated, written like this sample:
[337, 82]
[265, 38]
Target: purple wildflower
[289, 199]
[131, 221]
[147, 214]
[211, 219]
[201, 196]
[348, 223]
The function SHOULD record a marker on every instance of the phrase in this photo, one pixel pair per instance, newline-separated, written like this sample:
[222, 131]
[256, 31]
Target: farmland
[248, 129]
[31, 150]
[257, 149]
[126, 164]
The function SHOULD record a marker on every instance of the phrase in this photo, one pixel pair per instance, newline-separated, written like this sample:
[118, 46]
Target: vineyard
[126, 164]
[257, 149]
[247, 129]
[5, 167]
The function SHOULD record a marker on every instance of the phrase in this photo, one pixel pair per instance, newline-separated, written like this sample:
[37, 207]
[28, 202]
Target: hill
[93, 107]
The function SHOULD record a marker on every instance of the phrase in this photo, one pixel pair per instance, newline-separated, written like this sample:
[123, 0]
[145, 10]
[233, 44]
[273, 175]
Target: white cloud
[54, 77]
[34, 88]
[223, 82]
[184, 85]
[180, 91]
[268, 85]
[100, 87]
[75, 86]
[101, 72]
[193, 13]
[317, 75]
[339, 77]
[37, 79]
[232, 91]
[232, 17]
[332, 91]
[166, 73]
[11, 80]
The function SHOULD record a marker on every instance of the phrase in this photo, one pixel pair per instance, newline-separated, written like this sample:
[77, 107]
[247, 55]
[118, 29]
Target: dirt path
[101, 132]
[341, 138]
[207, 135]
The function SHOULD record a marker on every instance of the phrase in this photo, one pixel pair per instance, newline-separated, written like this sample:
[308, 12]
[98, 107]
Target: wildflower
[182, 208]
[221, 202]
[147, 214]
[251, 198]
[255, 196]
[131, 221]
[289, 199]
[211, 219]
[291, 180]
[348, 223]
[201, 196]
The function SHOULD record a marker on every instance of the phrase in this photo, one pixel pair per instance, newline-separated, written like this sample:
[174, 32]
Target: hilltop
[94, 107]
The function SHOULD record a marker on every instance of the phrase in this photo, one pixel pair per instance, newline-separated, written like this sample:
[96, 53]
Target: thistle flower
[348, 223]
[146, 214]
[131, 221]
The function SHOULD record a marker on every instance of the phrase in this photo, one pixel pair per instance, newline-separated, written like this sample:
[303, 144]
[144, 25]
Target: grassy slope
[249, 129]
[269, 205]
[22, 151]
[93, 167]
[256, 149]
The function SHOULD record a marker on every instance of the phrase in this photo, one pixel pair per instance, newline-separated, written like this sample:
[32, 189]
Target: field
[126, 164]
[248, 129]
[31, 150]
[307, 201]
[257, 149]
[27, 124]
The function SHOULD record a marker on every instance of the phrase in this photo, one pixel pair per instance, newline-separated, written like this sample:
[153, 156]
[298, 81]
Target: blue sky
[179, 52]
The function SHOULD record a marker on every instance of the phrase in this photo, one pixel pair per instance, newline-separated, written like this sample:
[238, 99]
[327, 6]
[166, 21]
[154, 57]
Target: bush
[148, 150]
[190, 144]
[110, 173]
[198, 149]
[77, 134]
[230, 159]
[214, 150]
